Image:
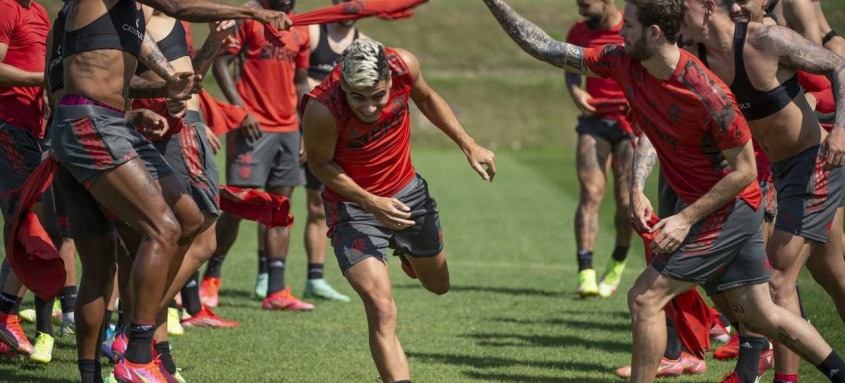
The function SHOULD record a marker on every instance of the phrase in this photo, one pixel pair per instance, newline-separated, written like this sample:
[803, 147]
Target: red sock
[786, 378]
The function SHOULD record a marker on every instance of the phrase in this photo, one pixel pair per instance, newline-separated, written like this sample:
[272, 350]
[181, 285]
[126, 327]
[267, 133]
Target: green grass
[512, 314]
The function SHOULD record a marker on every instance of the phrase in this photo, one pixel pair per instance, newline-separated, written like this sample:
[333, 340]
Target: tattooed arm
[796, 52]
[644, 159]
[536, 42]
[202, 11]
[218, 32]
[152, 57]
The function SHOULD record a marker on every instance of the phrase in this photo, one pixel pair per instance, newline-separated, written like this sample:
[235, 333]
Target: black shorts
[20, 153]
[604, 128]
[272, 161]
[808, 194]
[190, 156]
[79, 214]
[357, 235]
[722, 252]
[311, 180]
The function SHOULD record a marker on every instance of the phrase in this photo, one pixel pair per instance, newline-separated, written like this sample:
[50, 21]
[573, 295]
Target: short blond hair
[363, 64]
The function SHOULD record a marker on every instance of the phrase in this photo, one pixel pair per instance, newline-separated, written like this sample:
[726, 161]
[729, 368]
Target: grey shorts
[89, 140]
[190, 156]
[604, 128]
[357, 235]
[272, 161]
[20, 153]
[808, 195]
[722, 252]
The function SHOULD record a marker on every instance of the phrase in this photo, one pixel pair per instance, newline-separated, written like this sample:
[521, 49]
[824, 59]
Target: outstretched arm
[537, 42]
[799, 53]
[202, 11]
[441, 115]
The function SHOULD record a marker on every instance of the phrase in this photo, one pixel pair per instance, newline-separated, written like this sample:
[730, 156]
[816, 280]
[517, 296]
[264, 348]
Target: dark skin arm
[249, 127]
[204, 57]
[203, 11]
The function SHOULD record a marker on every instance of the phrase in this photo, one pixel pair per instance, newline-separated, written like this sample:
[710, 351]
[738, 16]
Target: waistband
[76, 99]
[67, 112]
[192, 116]
[778, 166]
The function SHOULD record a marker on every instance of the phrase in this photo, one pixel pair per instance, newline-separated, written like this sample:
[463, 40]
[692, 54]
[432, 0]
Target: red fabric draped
[269, 209]
[220, 116]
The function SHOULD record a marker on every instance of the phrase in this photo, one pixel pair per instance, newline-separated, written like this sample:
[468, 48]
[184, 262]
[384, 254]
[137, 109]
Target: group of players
[137, 187]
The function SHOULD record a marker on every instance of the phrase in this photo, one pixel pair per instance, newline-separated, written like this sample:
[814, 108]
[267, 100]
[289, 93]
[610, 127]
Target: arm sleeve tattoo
[536, 42]
[152, 57]
[644, 159]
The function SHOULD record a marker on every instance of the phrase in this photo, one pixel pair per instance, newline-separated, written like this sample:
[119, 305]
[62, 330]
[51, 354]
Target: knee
[438, 285]
[190, 224]
[641, 306]
[382, 310]
[165, 231]
[316, 213]
[780, 286]
[591, 196]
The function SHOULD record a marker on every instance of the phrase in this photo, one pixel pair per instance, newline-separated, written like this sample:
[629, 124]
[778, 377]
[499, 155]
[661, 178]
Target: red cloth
[688, 117]
[220, 117]
[159, 106]
[30, 251]
[351, 10]
[24, 30]
[819, 86]
[377, 156]
[764, 165]
[269, 209]
[267, 84]
[692, 316]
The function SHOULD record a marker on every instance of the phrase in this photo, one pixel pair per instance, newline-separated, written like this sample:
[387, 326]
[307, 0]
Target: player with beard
[705, 151]
[264, 152]
[604, 137]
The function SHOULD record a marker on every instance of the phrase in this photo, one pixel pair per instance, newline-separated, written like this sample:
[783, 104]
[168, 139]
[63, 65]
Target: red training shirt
[24, 30]
[376, 156]
[267, 83]
[608, 97]
[689, 118]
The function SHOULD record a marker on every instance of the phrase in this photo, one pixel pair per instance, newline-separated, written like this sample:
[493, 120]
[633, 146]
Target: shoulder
[317, 114]
[40, 11]
[411, 61]
[9, 10]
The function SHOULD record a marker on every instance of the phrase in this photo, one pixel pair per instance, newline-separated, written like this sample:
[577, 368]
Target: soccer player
[357, 132]
[264, 152]
[798, 15]
[762, 61]
[831, 39]
[120, 168]
[604, 136]
[704, 144]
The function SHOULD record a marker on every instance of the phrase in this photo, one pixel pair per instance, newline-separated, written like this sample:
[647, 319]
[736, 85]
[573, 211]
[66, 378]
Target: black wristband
[830, 35]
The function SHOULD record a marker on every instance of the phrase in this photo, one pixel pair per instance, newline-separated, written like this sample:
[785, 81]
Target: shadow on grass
[520, 340]
[491, 289]
[531, 379]
[12, 371]
[491, 362]
[573, 323]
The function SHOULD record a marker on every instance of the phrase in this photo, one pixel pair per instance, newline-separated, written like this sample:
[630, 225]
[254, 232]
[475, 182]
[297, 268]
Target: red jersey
[819, 86]
[376, 156]
[189, 37]
[608, 97]
[689, 118]
[267, 83]
[24, 30]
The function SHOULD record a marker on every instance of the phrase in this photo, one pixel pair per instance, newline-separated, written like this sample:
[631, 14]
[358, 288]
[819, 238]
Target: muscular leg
[276, 245]
[370, 280]
[592, 157]
[827, 265]
[787, 254]
[433, 272]
[97, 255]
[201, 250]
[621, 162]
[315, 228]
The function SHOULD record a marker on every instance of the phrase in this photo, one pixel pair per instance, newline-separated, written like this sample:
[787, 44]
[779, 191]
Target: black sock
[833, 368]
[215, 264]
[68, 299]
[44, 316]
[262, 262]
[10, 304]
[88, 370]
[191, 295]
[98, 372]
[121, 321]
[800, 302]
[315, 271]
[750, 348]
[673, 343]
[276, 278]
[139, 350]
[163, 351]
[585, 260]
[620, 253]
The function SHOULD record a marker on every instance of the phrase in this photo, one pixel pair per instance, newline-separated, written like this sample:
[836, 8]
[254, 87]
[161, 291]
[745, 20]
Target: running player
[357, 132]
[604, 136]
[703, 141]
[264, 153]
[756, 56]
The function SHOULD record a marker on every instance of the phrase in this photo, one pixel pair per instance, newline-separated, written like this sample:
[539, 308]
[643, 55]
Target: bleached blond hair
[363, 64]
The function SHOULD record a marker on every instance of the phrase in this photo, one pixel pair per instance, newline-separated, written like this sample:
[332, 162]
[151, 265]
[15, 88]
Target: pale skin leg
[315, 229]
[592, 158]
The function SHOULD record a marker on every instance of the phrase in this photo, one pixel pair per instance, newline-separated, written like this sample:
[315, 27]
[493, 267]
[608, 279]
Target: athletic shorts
[604, 128]
[272, 161]
[20, 154]
[357, 235]
[722, 252]
[808, 194]
[667, 199]
[190, 156]
[89, 140]
[770, 202]
[79, 214]
[311, 181]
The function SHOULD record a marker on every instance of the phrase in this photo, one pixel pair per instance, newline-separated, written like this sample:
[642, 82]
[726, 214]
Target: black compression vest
[753, 103]
[323, 59]
[121, 28]
[55, 69]
[174, 46]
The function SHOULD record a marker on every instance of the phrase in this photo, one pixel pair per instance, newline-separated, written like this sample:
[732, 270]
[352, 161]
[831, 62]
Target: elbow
[172, 8]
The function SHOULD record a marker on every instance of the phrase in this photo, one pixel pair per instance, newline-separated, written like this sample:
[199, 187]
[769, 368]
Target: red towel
[692, 316]
[351, 10]
[269, 209]
[30, 251]
[220, 116]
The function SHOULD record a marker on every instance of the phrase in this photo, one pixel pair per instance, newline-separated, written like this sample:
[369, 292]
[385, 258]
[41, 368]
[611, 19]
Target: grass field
[512, 314]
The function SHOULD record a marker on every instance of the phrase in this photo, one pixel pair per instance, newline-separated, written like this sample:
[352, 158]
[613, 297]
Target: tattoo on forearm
[204, 57]
[155, 60]
[644, 159]
[537, 42]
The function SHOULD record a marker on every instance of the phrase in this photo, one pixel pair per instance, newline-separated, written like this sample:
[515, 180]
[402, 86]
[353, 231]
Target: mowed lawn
[512, 314]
